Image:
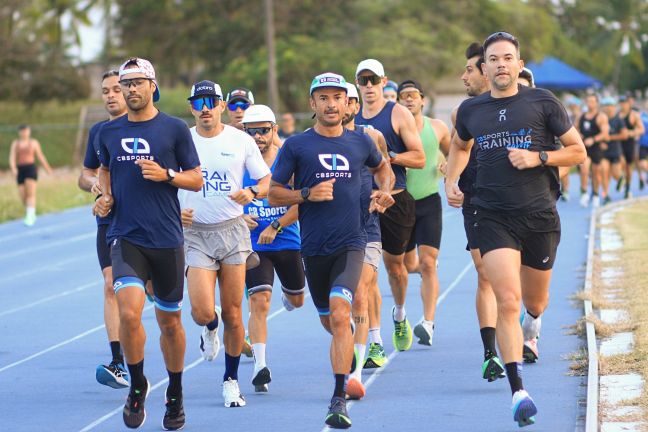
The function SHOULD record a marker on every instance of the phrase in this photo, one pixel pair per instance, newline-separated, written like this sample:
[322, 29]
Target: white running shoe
[596, 201]
[584, 200]
[523, 408]
[210, 343]
[286, 303]
[425, 333]
[232, 394]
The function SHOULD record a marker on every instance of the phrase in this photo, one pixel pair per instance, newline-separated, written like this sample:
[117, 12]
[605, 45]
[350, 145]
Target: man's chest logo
[135, 146]
[334, 162]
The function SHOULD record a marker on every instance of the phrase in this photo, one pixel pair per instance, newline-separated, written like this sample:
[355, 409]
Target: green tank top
[424, 182]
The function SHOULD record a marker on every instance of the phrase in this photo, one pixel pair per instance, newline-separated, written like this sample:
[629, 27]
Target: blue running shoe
[524, 409]
[114, 375]
[337, 416]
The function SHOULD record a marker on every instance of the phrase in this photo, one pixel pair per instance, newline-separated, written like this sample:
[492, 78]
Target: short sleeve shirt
[91, 160]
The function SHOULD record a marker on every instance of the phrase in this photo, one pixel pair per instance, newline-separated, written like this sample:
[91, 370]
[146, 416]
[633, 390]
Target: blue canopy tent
[554, 74]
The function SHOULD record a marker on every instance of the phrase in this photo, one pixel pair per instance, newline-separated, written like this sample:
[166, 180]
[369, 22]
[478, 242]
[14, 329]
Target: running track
[53, 337]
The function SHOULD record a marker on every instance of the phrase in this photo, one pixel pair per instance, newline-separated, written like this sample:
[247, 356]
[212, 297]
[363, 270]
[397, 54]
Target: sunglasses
[373, 79]
[135, 82]
[257, 130]
[500, 36]
[232, 106]
[209, 102]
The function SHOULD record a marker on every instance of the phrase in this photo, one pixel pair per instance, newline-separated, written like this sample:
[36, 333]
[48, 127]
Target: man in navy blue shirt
[114, 374]
[326, 162]
[141, 157]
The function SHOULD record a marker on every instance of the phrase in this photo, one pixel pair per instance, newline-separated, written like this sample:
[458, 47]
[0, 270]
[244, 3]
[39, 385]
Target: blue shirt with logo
[91, 160]
[643, 140]
[329, 226]
[146, 213]
[287, 239]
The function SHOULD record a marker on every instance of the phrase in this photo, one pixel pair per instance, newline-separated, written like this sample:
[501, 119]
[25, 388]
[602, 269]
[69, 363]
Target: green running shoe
[492, 369]
[376, 357]
[247, 347]
[337, 416]
[403, 336]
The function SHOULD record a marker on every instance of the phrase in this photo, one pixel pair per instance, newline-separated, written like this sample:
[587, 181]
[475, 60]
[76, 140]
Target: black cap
[407, 84]
[205, 88]
[623, 98]
[240, 93]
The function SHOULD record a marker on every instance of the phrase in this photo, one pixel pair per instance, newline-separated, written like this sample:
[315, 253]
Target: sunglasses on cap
[258, 130]
[209, 102]
[232, 106]
[501, 36]
[373, 79]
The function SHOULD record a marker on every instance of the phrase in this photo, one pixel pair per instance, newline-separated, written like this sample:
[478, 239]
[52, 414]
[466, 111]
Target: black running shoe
[174, 417]
[261, 380]
[337, 416]
[134, 412]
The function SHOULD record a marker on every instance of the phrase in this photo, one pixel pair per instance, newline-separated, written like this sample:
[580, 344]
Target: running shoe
[424, 333]
[286, 303]
[376, 358]
[642, 183]
[29, 220]
[627, 194]
[524, 409]
[402, 337]
[596, 201]
[232, 394]
[530, 351]
[492, 369]
[134, 413]
[607, 200]
[210, 343]
[114, 375]
[564, 196]
[174, 416]
[584, 200]
[261, 380]
[337, 416]
[531, 326]
[355, 389]
[247, 348]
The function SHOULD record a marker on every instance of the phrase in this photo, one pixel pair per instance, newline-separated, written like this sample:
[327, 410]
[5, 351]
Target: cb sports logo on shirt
[333, 162]
[139, 148]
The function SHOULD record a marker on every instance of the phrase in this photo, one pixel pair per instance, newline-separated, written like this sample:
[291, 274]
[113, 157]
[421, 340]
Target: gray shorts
[373, 253]
[208, 246]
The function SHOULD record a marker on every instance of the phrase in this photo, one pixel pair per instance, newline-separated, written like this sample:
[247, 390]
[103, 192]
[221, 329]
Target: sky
[91, 38]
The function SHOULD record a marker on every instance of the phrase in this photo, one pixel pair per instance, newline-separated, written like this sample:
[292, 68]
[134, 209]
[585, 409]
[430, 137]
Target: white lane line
[39, 269]
[58, 345]
[49, 245]
[165, 380]
[52, 297]
[26, 232]
[394, 353]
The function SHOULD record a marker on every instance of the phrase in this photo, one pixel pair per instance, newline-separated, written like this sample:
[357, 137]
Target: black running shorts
[428, 223]
[133, 265]
[397, 223]
[629, 150]
[287, 264]
[25, 172]
[330, 275]
[535, 235]
[643, 153]
[470, 222]
[103, 249]
[595, 153]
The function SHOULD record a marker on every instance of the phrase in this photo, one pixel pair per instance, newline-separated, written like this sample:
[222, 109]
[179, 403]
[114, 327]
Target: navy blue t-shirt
[312, 158]
[371, 220]
[145, 212]
[91, 160]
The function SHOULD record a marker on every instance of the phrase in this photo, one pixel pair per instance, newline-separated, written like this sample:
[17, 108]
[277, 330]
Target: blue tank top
[371, 220]
[288, 239]
[643, 140]
[382, 122]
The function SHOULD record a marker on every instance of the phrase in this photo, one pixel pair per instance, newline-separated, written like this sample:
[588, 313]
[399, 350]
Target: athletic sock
[374, 336]
[340, 385]
[136, 371]
[231, 367]
[428, 324]
[259, 356]
[115, 350]
[31, 211]
[175, 384]
[583, 191]
[514, 374]
[360, 349]
[488, 339]
[399, 313]
[212, 324]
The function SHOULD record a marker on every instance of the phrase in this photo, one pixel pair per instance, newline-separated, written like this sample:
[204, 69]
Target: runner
[141, 154]
[373, 251]
[643, 148]
[516, 190]
[424, 186]
[593, 127]
[287, 126]
[405, 151]
[327, 163]
[574, 111]
[611, 163]
[217, 239]
[634, 125]
[390, 92]
[22, 163]
[113, 374]
[276, 240]
[238, 100]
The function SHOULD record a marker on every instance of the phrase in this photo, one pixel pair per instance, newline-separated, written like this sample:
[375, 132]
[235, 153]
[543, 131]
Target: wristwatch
[170, 175]
[255, 190]
[277, 226]
[392, 154]
[305, 193]
[544, 157]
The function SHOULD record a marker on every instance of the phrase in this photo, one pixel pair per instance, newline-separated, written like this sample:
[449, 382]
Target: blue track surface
[51, 321]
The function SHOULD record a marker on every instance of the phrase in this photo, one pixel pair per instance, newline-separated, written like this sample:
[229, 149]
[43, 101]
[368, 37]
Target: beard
[348, 118]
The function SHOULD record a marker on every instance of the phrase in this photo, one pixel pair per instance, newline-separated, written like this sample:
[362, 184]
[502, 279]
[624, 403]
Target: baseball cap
[391, 85]
[372, 65]
[527, 74]
[623, 98]
[144, 67]
[259, 113]
[352, 91]
[608, 101]
[240, 93]
[409, 84]
[205, 88]
[328, 79]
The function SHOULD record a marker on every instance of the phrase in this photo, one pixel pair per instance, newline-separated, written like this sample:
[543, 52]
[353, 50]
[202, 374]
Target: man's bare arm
[414, 156]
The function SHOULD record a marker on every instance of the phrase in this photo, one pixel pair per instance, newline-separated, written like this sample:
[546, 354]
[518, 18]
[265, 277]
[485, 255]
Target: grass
[55, 193]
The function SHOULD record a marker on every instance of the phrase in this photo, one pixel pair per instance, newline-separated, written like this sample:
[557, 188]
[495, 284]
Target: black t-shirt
[528, 120]
[614, 147]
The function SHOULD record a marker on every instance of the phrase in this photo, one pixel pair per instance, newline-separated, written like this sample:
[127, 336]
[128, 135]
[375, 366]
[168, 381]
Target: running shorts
[428, 223]
[207, 246]
[397, 222]
[372, 255]
[287, 264]
[103, 249]
[27, 171]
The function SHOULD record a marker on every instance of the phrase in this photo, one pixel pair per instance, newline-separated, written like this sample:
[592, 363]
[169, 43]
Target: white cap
[371, 65]
[352, 91]
[258, 113]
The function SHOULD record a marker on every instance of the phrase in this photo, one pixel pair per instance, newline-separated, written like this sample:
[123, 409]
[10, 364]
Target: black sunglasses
[257, 130]
[373, 79]
[497, 36]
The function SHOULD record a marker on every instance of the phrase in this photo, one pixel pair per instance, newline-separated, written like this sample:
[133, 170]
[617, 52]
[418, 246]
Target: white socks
[31, 212]
[531, 326]
[360, 349]
[399, 313]
[429, 325]
[259, 356]
[374, 336]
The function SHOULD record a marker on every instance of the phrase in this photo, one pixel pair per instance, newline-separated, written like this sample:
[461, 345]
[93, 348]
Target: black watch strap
[305, 193]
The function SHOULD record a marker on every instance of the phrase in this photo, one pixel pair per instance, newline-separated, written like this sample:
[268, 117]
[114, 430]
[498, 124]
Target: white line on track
[394, 353]
[39, 269]
[165, 380]
[26, 232]
[52, 297]
[49, 245]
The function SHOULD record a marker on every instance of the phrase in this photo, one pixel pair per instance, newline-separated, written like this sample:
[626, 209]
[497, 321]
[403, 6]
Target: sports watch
[255, 190]
[277, 226]
[305, 193]
[544, 157]
[170, 175]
